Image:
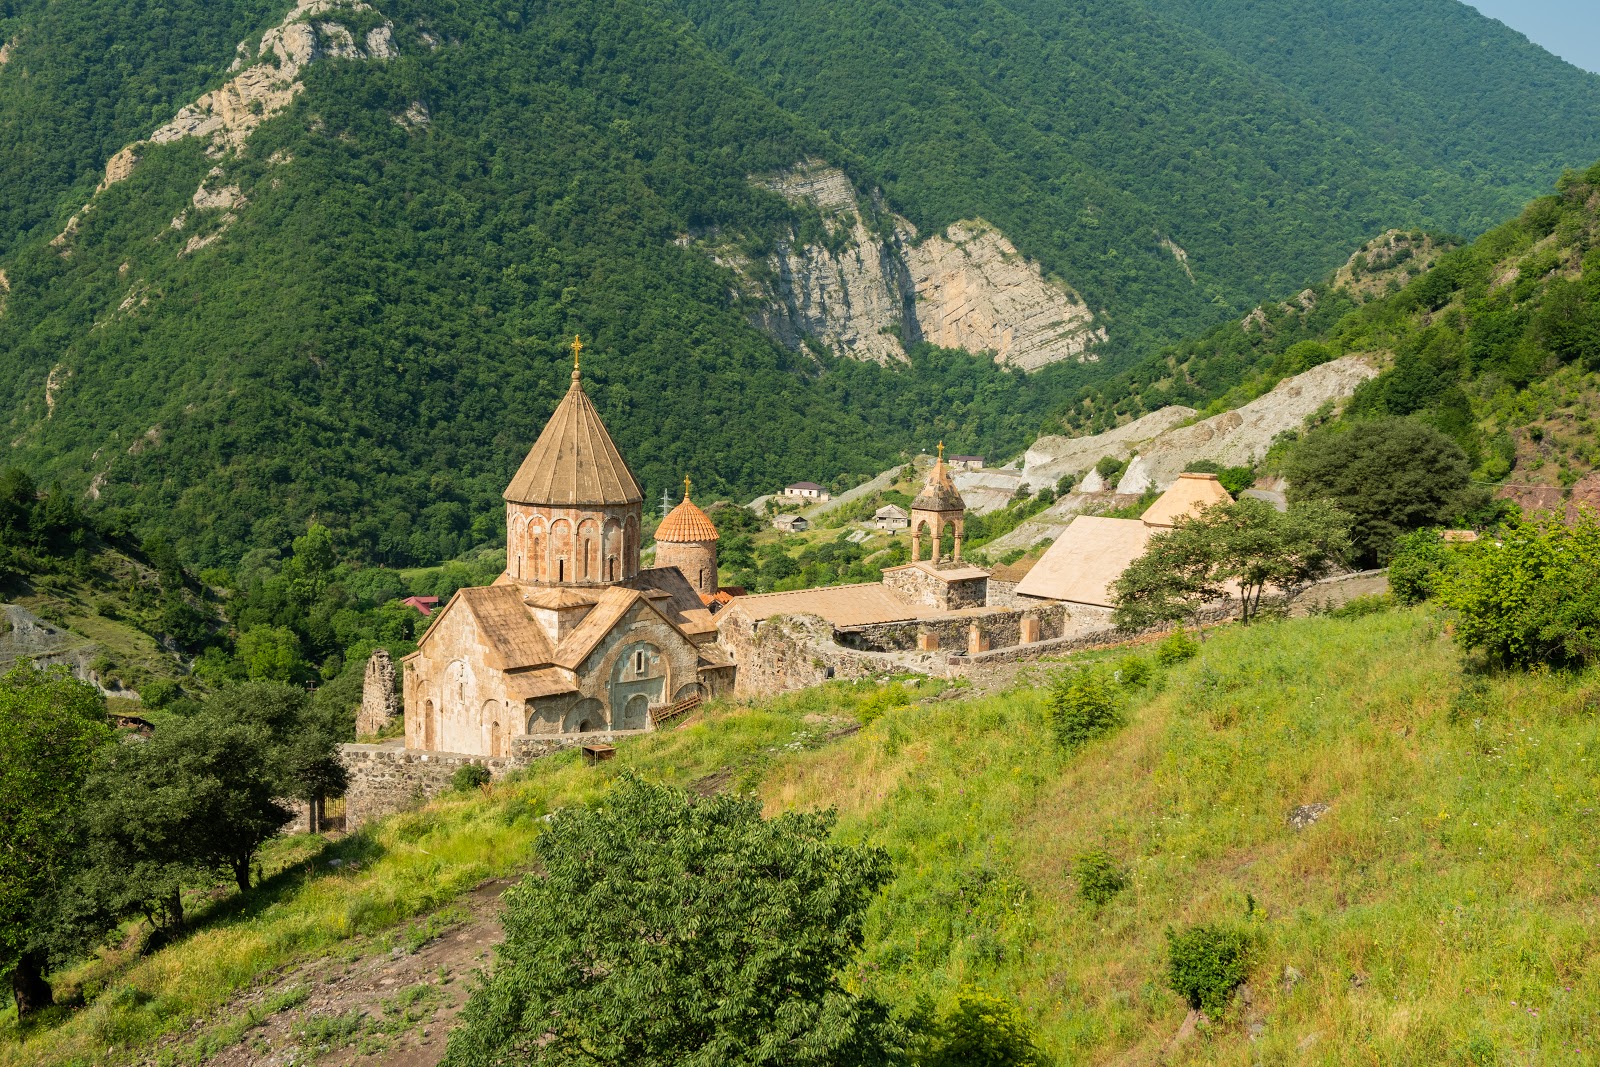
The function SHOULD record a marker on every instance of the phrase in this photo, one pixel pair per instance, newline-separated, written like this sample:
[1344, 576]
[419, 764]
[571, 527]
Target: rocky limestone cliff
[872, 287]
[1161, 445]
[263, 87]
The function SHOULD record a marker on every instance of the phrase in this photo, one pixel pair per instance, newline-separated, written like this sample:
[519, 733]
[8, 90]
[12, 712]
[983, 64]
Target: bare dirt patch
[384, 1001]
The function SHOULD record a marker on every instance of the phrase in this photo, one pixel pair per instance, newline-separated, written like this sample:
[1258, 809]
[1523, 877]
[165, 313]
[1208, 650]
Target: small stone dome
[687, 524]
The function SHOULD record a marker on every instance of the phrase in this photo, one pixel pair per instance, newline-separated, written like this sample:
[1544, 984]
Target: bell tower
[938, 505]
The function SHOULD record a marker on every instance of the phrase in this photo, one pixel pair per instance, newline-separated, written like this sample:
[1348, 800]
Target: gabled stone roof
[940, 493]
[574, 462]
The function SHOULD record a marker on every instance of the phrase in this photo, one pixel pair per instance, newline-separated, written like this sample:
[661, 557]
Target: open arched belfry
[938, 505]
[574, 637]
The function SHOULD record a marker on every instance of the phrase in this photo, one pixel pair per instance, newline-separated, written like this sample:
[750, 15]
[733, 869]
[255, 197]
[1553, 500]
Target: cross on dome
[577, 350]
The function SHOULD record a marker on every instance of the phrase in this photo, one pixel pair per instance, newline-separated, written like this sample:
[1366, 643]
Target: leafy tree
[224, 769]
[980, 1029]
[271, 654]
[661, 930]
[1530, 596]
[1240, 549]
[141, 804]
[50, 728]
[302, 735]
[1389, 475]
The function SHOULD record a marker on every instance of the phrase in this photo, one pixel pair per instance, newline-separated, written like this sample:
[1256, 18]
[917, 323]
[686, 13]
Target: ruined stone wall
[1001, 627]
[379, 702]
[797, 651]
[388, 778]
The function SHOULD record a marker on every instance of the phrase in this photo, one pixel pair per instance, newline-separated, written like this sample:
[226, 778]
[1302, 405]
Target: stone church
[575, 637]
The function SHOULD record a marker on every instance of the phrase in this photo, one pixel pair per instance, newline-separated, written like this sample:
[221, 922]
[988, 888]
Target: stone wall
[388, 778]
[798, 651]
[1001, 627]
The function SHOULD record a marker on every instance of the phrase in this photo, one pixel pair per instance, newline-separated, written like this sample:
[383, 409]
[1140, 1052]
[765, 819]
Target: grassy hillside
[1437, 912]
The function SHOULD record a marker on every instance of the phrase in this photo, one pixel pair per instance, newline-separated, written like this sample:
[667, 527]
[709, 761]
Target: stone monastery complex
[576, 643]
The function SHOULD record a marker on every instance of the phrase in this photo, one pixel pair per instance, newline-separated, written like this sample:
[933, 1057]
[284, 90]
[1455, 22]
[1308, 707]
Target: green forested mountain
[360, 314]
[1092, 132]
[1432, 78]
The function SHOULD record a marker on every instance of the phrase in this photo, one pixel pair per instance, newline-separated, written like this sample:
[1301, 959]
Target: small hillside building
[892, 517]
[966, 463]
[810, 491]
[791, 524]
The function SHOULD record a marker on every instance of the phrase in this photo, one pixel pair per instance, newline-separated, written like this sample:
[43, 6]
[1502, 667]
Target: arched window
[428, 727]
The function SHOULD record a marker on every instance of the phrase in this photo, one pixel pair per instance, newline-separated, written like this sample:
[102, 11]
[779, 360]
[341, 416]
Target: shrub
[469, 777]
[1206, 963]
[1083, 705]
[159, 692]
[1176, 647]
[1134, 671]
[1529, 598]
[1100, 877]
[1110, 468]
[1419, 559]
[980, 1030]
[601, 963]
[883, 699]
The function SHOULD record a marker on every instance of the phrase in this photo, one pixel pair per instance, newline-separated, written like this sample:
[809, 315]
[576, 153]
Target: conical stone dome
[574, 463]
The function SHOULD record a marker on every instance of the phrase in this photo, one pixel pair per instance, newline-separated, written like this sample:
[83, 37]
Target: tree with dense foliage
[1418, 565]
[50, 728]
[1531, 595]
[1391, 476]
[1237, 549]
[661, 929]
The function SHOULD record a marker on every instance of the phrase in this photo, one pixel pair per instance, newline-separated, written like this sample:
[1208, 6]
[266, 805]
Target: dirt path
[385, 1001]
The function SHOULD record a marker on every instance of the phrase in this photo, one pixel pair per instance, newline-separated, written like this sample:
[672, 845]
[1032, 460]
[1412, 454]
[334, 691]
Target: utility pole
[666, 502]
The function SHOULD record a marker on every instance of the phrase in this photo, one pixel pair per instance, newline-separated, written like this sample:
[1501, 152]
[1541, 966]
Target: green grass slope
[1439, 912]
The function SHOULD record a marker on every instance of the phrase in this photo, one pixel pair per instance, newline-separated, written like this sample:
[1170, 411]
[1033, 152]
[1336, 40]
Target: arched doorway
[636, 713]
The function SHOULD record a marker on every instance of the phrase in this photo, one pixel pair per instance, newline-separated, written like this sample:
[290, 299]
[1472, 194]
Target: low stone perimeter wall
[389, 777]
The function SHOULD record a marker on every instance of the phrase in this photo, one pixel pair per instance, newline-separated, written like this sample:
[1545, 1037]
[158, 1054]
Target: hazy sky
[1569, 28]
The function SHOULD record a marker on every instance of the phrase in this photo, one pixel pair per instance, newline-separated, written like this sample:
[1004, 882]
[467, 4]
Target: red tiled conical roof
[687, 523]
